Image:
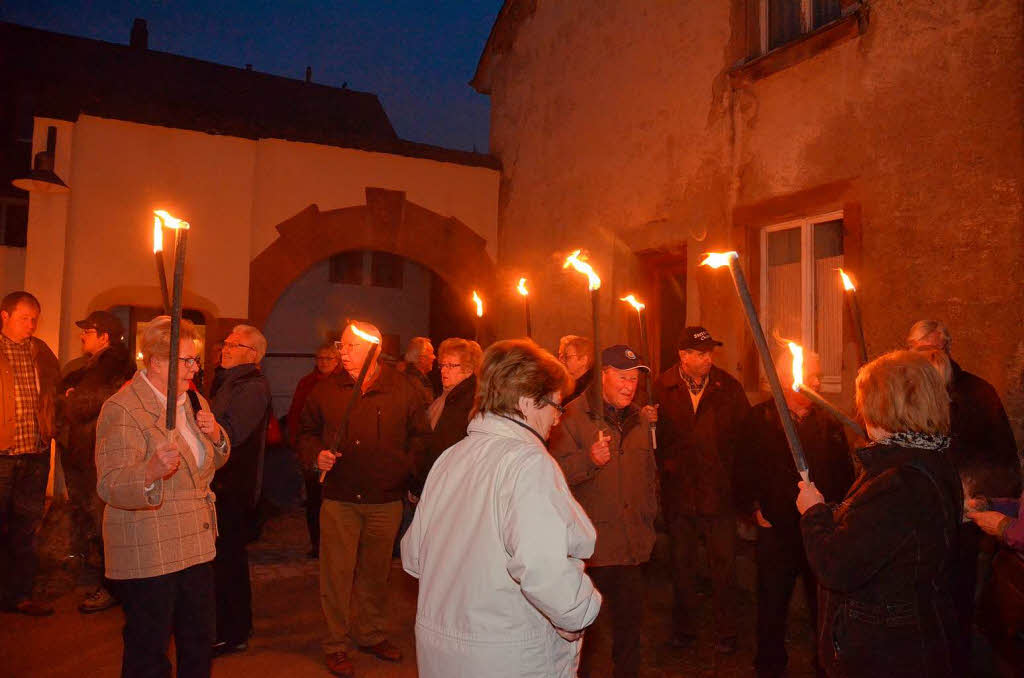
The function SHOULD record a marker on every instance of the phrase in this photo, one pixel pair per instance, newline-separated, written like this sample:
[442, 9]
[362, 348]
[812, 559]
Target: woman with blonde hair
[159, 525]
[883, 556]
[498, 541]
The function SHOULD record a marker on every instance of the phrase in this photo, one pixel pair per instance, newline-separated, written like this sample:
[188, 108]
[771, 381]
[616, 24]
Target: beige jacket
[171, 527]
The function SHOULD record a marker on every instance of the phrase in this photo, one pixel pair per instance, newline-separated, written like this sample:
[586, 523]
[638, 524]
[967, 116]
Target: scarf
[921, 441]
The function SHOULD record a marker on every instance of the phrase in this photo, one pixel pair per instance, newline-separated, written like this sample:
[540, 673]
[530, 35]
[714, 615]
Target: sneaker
[340, 665]
[383, 650]
[97, 601]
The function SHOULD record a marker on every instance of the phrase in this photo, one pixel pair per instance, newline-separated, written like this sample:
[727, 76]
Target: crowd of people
[526, 493]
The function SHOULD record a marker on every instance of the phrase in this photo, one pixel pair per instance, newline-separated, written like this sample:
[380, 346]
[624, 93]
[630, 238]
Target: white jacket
[497, 544]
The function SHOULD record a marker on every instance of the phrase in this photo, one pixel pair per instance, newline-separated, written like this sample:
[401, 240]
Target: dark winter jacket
[451, 427]
[581, 385]
[767, 476]
[100, 377]
[696, 451]
[240, 401]
[983, 447]
[883, 559]
[621, 497]
[302, 391]
[387, 434]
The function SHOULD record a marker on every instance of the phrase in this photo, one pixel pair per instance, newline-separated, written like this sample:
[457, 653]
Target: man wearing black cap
[609, 464]
[107, 367]
[702, 413]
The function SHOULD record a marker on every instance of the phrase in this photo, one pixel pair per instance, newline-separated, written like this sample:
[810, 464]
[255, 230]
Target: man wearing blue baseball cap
[609, 464]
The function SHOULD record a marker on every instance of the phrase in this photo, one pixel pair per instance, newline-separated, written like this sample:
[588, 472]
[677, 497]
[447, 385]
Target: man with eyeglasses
[609, 464]
[365, 481]
[241, 403]
[107, 367]
[326, 363]
[577, 354]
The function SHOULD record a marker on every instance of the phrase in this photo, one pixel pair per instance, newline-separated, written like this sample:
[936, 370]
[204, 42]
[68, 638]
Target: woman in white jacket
[498, 540]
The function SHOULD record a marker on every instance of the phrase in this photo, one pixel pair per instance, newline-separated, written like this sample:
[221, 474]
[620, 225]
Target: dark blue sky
[416, 56]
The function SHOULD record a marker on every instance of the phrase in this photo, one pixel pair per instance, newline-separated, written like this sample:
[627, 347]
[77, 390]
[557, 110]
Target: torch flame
[479, 305]
[158, 235]
[719, 259]
[170, 221]
[584, 268]
[365, 336]
[798, 365]
[632, 301]
[847, 283]
[521, 287]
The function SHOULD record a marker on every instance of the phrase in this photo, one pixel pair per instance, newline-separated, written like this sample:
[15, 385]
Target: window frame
[829, 383]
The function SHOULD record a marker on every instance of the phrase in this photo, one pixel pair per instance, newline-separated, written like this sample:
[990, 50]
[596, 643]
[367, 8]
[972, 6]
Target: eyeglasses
[449, 366]
[191, 362]
[552, 403]
[91, 329]
[232, 345]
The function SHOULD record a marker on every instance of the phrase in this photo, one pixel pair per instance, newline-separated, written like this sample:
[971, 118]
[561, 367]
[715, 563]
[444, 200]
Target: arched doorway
[390, 261]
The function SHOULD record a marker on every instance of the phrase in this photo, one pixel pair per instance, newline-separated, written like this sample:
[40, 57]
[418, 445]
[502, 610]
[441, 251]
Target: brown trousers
[355, 562]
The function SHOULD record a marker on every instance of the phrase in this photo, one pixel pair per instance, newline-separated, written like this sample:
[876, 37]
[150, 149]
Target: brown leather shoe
[383, 650]
[32, 608]
[339, 664]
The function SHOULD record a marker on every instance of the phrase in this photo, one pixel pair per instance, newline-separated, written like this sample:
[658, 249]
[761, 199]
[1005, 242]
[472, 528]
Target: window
[783, 21]
[347, 268]
[386, 270]
[802, 295]
[13, 222]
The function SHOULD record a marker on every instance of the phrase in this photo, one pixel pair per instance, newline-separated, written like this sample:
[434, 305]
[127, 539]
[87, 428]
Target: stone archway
[387, 222]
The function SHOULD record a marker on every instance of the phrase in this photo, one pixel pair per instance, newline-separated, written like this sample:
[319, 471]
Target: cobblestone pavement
[289, 623]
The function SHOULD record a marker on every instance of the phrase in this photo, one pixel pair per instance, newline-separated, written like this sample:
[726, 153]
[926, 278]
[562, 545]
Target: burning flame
[479, 305]
[719, 259]
[847, 283]
[521, 287]
[170, 221]
[798, 365]
[584, 268]
[158, 235]
[632, 301]
[365, 336]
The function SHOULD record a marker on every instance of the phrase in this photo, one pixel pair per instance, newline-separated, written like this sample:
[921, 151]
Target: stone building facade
[881, 136]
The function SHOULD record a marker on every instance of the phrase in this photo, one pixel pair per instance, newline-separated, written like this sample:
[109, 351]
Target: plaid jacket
[24, 439]
[174, 525]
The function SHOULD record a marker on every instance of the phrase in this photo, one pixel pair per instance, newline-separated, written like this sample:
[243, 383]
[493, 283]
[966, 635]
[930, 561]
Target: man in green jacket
[609, 464]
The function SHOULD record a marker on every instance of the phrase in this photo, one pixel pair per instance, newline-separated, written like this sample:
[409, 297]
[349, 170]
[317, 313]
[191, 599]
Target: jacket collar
[154, 416]
[492, 424]
[674, 380]
[876, 458]
[384, 383]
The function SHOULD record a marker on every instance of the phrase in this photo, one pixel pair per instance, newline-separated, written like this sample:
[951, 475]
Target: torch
[357, 391]
[632, 301]
[521, 288]
[732, 260]
[851, 299]
[479, 314]
[181, 229]
[158, 254]
[800, 387]
[594, 284]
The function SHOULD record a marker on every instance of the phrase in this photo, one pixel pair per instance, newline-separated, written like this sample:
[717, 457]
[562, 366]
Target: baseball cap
[622, 357]
[104, 322]
[696, 337]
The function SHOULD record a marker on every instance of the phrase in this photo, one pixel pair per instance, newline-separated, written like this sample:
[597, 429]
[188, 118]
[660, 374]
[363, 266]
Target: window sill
[803, 48]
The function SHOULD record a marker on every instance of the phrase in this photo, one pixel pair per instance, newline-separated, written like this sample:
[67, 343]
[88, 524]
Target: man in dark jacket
[362, 498]
[702, 413]
[609, 464]
[417, 365]
[83, 391]
[29, 373]
[984, 452]
[767, 489]
[241, 403]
